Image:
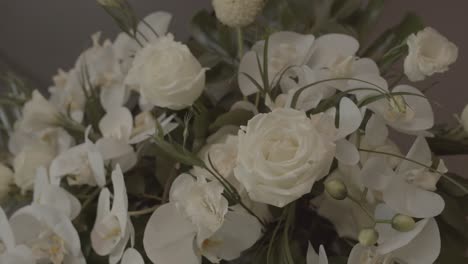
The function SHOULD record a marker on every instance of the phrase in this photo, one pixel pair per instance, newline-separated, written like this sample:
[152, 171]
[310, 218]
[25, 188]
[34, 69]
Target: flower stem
[240, 43]
[144, 211]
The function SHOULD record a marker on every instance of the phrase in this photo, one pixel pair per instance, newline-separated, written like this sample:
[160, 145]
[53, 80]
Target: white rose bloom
[464, 118]
[28, 161]
[282, 154]
[167, 74]
[6, 179]
[429, 53]
[237, 13]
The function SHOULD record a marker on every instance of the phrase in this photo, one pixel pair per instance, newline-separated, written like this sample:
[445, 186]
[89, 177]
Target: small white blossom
[237, 13]
[429, 53]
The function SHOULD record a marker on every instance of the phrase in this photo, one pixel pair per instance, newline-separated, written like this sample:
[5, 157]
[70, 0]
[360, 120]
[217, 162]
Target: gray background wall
[39, 36]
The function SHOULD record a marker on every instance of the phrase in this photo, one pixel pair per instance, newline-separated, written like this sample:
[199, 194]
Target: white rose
[429, 53]
[464, 118]
[26, 163]
[237, 13]
[282, 154]
[167, 74]
[6, 179]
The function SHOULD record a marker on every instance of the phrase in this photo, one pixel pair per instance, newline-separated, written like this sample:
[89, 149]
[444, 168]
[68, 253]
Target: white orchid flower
[335, 54]
[197, 222]
[406, 109]
[52, 195]
[285, 49]
[82, 164]
[10, 252]
[116, 127]
[48, 233]
[409, 189]
[418, 246]
[113, 228]
[314, 258]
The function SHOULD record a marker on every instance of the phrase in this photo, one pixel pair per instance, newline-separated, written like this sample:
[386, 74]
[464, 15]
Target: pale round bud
[336, 189]
[237, 13]
[368, 237]
[403, 223]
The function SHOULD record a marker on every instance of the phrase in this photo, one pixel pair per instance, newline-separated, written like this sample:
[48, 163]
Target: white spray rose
[6, 179]
[28, 161]
[282, 154]
[429, 53]
[237, 13]
[167, 74]
[464, 118]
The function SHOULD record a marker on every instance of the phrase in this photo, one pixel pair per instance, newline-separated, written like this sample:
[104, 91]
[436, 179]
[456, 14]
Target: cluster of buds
[237, 13]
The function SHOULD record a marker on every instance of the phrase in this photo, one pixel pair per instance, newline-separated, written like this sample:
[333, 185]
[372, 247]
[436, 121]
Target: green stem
[144, 211]
[240, 43]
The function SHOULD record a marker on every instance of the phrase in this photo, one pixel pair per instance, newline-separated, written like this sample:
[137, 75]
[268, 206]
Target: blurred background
[38, 37]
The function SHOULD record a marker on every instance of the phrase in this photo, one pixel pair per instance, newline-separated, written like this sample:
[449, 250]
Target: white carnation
[282, 154]
[6, 179]
[237, 13]
[167, 74]
[429, 53]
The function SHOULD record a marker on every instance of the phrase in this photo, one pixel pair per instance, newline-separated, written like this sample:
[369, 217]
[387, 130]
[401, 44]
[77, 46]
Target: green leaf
[454, 247]
[394, 37]
[451, 189]
[303, 9]
[237, 117]
[178, 153]
[443, 146]
[455, 213]
[213, 36]
[342, 9]
[369, 17]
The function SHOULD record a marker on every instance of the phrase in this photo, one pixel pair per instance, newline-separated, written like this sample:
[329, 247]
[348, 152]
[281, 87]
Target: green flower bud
[368, 237]
[336, 189]
[403, 223]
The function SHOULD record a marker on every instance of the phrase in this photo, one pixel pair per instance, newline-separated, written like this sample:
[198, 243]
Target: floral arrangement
[266, 138]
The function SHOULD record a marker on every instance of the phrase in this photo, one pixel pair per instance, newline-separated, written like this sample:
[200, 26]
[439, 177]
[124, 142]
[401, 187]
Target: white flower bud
[336, 189]
[429, 53]
[464, 118]
[237, 13]
[403, 223]
[368, 237]
[6, 180]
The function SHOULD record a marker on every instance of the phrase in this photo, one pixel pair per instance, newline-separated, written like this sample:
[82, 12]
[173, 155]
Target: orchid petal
[346, 152]
[350, 118]
[169, 237]
[131, 256]
[411, 200]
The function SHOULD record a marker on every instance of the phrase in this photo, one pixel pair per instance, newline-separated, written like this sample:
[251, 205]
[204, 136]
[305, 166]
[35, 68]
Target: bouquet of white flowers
[266, 139]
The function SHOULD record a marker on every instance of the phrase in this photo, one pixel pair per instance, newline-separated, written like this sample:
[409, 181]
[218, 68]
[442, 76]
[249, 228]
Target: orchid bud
[237, 13]
[403, 223]
[336, 189]
[368, 237]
